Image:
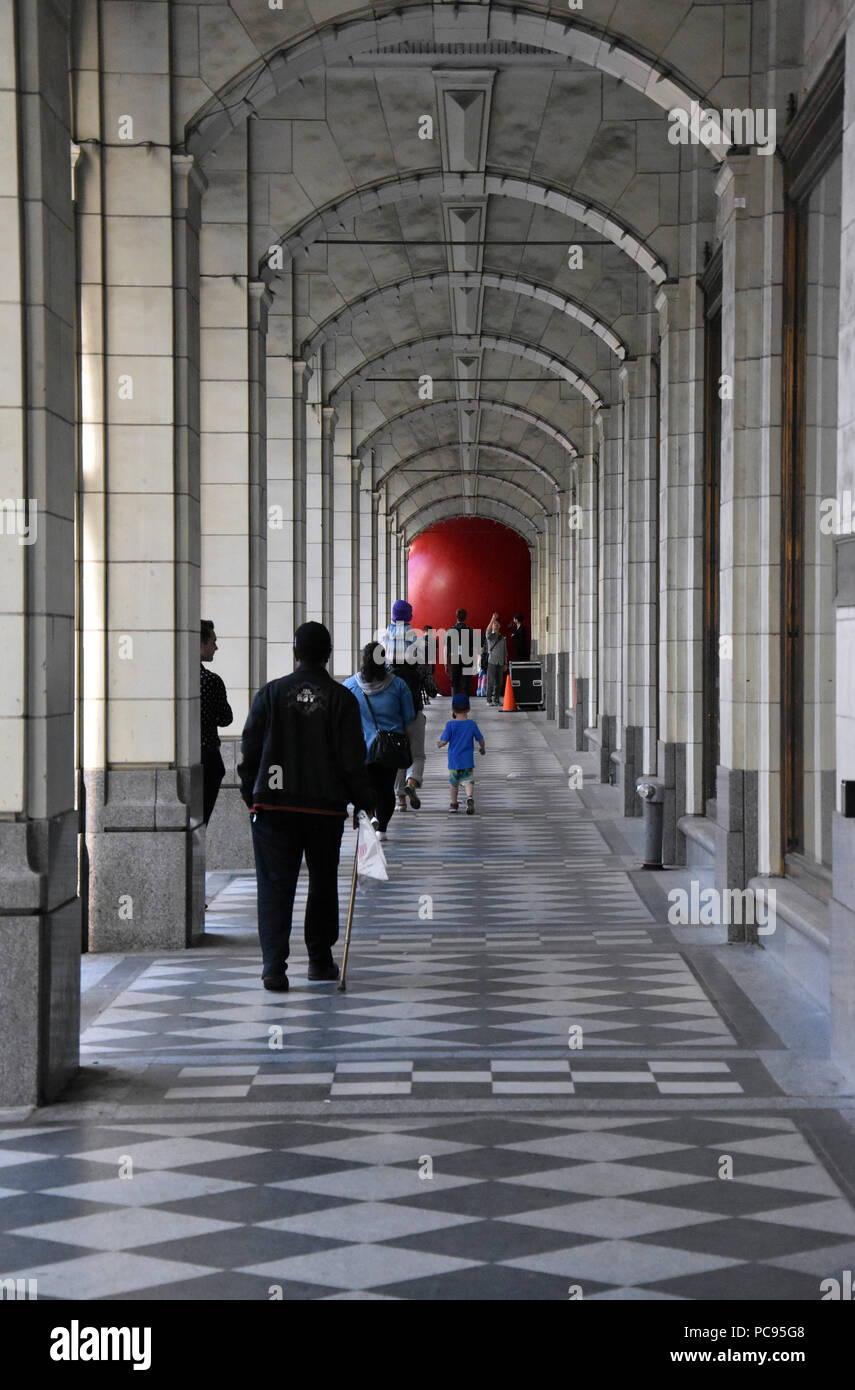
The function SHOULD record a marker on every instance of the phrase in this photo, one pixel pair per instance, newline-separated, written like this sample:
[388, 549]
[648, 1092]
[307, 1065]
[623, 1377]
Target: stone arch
[338, 40]
[397, 503]
[472, 279]
[472, 343]
[437, 184]
[528, 417]
[403, 464]
[487, 506]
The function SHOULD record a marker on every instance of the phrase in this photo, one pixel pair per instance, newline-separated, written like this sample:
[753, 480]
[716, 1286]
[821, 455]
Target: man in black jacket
[519, 639]
[303, 761]
[460, 654]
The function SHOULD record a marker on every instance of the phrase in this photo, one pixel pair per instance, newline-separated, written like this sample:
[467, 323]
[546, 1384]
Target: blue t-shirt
[461, 735]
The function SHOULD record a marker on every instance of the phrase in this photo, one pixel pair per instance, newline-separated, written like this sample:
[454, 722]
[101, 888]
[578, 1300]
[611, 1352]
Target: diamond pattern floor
[530, 1084]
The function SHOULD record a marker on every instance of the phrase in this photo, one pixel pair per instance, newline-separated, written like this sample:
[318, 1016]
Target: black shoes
[415, 799]
[325, 970]
[470, 805]
[318, 970]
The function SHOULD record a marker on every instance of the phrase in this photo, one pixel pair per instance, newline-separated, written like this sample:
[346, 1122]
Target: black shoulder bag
[388, 747]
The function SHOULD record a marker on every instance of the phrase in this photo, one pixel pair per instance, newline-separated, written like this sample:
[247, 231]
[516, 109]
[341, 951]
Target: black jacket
[459, 646]
[303, 746]
[519, 637]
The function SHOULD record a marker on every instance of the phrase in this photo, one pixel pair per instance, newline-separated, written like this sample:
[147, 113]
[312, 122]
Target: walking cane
[342, 986]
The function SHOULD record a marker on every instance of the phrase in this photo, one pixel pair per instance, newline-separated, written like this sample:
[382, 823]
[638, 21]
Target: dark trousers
[213, 772]
[460, 684]
[280, 839]
[495, 681]
[382, 781]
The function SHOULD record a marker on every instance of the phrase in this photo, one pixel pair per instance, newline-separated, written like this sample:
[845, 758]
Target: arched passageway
[290, 299]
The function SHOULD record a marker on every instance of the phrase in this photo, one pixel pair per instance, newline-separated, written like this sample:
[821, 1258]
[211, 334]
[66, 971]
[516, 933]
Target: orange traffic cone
[510, 702]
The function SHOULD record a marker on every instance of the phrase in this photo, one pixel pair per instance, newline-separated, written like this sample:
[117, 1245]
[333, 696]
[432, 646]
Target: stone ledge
[699, 831]
[801, 941]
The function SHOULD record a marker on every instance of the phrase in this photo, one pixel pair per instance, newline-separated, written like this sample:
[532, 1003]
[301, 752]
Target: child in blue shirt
[460, 736]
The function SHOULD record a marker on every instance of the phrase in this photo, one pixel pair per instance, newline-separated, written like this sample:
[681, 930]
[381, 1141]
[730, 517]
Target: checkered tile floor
[482, 1078]
[458, 1208]
[529, 1085]
[416, 999]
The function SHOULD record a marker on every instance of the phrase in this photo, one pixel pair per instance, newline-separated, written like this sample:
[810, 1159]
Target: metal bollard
[652, 793]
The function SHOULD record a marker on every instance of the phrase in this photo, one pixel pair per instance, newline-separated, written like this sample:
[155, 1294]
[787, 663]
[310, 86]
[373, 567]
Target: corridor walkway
[532, 1088]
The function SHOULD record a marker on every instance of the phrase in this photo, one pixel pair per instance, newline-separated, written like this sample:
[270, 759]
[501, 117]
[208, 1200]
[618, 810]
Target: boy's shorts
[456, 775]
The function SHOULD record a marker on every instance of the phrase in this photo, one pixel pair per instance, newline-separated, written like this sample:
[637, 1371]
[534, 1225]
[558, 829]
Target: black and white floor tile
[531, 1087]
[500, 1206]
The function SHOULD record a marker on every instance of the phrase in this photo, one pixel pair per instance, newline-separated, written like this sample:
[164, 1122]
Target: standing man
[303, 761]
[459, 654]
[405, 654]
[214, 712]
[519, 639]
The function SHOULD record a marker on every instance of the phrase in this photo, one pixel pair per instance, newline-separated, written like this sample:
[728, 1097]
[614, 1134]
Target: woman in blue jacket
[384, 703]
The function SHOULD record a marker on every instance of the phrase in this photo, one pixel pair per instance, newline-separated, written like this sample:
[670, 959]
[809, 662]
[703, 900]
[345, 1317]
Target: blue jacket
[392, 706]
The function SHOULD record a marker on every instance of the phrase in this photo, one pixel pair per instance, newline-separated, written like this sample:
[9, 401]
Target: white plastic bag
[370, 859]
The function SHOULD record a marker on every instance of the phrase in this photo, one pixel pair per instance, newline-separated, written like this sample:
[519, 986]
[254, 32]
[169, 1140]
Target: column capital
[302, 375]
[629, 372]
[329, 419]
[187, 179]
[735, 184]
[667, 295]
[260, 300]
[259, 292]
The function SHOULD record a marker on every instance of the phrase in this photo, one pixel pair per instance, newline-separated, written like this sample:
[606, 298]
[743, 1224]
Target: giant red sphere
[471, 563]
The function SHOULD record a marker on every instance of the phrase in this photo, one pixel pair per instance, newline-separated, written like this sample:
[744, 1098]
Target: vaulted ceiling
[471, 209]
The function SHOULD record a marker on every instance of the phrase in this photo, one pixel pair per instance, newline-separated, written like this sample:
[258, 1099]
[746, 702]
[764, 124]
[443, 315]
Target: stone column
[234, 540]
[611, 606]
[842, 905]
[302, 374]
[587, 555]
[550, 671]
[40, 924]
[563, 607]
[234, 321]
[140, 504]
[381, 522]
[345, 528]
[537, 605]
[393, 563]
[680, 541]
[367, 556]
[638, 734]
[317, 586]
[747, 783]
[329, 420]
[260, 302]
[405, 571]
[281, 490]
[355, 559]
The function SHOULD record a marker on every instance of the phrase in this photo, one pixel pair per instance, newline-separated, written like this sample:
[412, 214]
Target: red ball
[471, 563]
